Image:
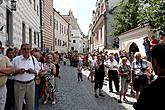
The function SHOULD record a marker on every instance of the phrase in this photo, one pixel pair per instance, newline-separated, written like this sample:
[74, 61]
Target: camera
[128, 80]
[143, 70]
[27, 71]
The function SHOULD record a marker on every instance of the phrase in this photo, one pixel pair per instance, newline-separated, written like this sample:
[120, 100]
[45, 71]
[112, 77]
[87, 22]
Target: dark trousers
[98, 83]
[113, 76]
[38, 89]
[80, 77]
[10, 101]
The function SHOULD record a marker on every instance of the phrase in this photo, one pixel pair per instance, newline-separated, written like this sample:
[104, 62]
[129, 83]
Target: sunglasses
[25, 48]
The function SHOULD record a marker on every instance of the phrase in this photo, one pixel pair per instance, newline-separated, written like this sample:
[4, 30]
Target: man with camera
[24, 86]
[139, 73]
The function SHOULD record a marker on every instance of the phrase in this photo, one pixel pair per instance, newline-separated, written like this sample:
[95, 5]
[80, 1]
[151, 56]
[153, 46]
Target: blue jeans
[38, 89]
[80, 77]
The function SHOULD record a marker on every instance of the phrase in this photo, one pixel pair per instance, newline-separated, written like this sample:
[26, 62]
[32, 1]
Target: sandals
[119, 101]
[125, 99]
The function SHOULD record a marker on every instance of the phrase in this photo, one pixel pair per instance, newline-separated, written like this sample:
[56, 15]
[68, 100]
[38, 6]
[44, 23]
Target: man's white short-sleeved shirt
[21, 62]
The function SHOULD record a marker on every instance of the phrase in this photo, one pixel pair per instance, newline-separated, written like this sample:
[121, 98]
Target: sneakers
[102, 95]
[96, 96]
[111, 91]
[125, 100]
[119, 101]
[45, 102]
[54, 102]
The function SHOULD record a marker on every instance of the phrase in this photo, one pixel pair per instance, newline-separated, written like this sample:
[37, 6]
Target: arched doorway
[132, 50]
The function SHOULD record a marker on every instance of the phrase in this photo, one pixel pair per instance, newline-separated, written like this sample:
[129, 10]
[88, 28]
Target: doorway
[133, 48]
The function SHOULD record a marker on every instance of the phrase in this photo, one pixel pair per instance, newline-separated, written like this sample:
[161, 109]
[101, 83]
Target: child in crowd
[79, 74]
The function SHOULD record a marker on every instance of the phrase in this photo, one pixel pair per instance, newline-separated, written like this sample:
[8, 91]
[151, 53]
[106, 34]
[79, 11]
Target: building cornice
[133, 32]
[101, 18]
[60, 15]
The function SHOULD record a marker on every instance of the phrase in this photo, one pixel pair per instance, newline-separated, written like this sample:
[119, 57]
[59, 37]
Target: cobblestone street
[74, 95]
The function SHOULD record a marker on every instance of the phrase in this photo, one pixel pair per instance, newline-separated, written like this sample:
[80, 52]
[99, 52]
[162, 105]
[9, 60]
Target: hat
[124, 59]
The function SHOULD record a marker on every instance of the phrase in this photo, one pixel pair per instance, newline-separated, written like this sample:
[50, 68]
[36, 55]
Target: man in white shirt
[26, 67]
[112, 66]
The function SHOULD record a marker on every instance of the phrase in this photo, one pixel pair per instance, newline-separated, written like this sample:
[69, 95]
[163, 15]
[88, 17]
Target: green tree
[133, 13]
[153, 13]
[125, 16]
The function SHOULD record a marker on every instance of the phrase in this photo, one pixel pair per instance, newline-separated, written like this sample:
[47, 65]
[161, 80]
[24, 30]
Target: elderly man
[112, 66]
[139, 73]
[5, 70]
[152, 96]
[24, 87]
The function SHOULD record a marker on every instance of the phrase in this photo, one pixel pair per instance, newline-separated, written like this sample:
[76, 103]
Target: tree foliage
[153, 13]
[133, 13]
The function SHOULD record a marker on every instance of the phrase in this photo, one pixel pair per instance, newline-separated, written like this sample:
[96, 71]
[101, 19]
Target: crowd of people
[119, 68]
[27, 76]
[143, 73]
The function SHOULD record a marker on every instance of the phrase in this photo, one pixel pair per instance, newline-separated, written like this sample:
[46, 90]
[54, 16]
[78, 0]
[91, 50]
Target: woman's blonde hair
[124, 59]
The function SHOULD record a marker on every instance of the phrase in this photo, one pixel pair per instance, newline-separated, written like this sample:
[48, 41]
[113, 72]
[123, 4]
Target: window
[64, 30]
[38, 40]
[58, 42]
[23, 33]
[66, 44]
[57, 25]
[72, 48]
[63, 44]
[37, 10]
[30, 1]
[34, 5]
[50, 20]
[34, 37]
[60, 27]
[74, 41]
[55, 41]
[30, 36]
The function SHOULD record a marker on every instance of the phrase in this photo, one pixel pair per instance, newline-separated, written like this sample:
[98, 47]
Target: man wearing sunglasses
[24, 87]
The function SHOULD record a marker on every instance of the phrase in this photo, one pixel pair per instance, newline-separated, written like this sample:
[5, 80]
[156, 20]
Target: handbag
[38, 80]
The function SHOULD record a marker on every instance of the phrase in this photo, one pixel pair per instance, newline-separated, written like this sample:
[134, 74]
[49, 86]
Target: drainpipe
[68, 36]
[41, 31]
[105, 22]
[53, 30]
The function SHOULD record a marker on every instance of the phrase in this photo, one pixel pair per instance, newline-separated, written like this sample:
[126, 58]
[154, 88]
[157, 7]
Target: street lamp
[13, 5]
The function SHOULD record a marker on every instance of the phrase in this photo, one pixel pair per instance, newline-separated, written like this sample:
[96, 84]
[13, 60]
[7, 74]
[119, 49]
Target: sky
[82, 10]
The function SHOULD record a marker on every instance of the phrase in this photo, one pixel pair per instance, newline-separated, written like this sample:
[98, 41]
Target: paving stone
[74, 95]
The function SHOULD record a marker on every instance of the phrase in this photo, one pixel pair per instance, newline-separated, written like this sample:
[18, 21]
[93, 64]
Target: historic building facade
[101, 26]
[21, 25]
[76, 35]
[47, 25]
[61, 33]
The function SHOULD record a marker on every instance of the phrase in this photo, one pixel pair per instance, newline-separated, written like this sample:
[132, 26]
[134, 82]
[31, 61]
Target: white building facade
[101, 29]
[76, 35]
[135, 36]
[22, 25]
[76, 40]
[61, 33]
